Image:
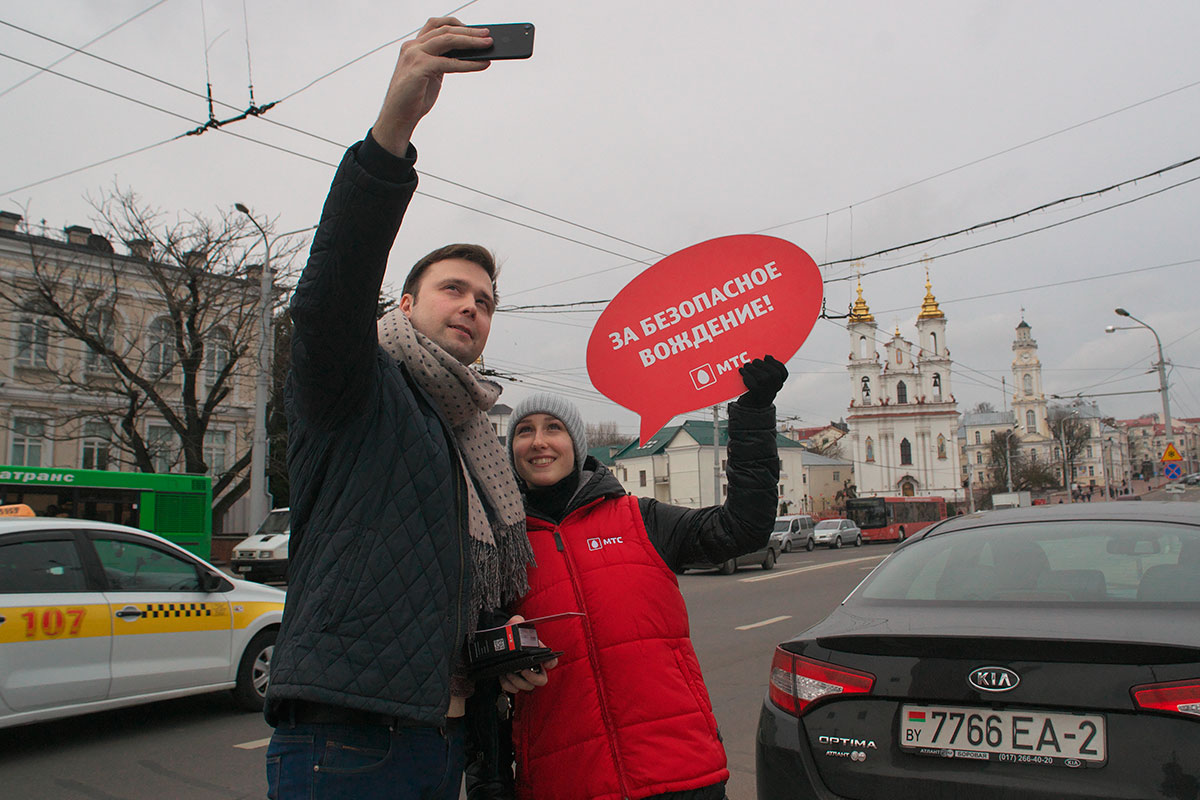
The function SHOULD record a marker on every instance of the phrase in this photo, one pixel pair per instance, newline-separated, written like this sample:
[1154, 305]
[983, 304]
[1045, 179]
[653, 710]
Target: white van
[263, 557]
[792, 532]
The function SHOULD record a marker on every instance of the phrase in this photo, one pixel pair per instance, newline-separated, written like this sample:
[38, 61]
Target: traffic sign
[1174, 488]
[1171, 454]
[1172, 471]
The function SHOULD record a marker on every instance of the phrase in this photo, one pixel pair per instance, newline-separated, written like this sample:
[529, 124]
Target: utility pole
[716, 456]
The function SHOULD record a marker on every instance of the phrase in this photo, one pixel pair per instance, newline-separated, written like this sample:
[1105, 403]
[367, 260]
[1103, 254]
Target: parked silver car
[837, 532]
[792, 532]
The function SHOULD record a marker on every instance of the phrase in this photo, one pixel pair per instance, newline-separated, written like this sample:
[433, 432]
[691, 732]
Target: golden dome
[859, 311]
[929, 307]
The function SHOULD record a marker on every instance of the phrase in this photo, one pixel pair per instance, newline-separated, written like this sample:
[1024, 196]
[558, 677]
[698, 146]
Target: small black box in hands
[508, 648]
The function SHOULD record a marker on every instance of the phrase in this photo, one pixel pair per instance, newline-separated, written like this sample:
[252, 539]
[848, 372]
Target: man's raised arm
[333, 308]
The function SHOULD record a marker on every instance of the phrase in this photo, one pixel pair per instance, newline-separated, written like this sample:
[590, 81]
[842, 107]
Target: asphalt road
[204, 748]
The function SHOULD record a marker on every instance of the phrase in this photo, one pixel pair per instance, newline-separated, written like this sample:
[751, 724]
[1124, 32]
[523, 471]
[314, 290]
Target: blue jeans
[364, 762]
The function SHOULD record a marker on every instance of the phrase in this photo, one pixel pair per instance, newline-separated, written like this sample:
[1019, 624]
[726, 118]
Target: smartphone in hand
[509, 40]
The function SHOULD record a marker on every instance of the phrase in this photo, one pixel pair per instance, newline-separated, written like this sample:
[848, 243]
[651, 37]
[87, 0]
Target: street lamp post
[259, 499]
[1007, 457]
[1162, 371]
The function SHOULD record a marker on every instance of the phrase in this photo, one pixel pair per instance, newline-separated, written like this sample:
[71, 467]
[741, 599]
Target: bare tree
[606, 434]
[1027, 473]
[162, 334]
[1072, 434]
[983, 407]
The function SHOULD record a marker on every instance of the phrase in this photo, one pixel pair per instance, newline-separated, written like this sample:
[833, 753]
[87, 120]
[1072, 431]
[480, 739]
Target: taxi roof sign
[1171, 454]
[16, 510]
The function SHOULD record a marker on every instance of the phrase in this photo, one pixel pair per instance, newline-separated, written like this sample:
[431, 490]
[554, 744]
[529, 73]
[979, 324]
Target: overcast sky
[645, 127]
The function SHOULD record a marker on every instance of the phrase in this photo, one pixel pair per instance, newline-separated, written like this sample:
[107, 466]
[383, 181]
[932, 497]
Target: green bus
[176, 507]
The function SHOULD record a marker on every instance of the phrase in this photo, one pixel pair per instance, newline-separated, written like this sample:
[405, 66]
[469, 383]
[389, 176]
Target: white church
[903, 417]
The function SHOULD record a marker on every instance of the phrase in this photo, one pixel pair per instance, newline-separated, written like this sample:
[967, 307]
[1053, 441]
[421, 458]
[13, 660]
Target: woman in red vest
[625, 713]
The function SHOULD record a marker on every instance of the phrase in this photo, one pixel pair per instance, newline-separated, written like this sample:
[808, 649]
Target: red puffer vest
[625, 713]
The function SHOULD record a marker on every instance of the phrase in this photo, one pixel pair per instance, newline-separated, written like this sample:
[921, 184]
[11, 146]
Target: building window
[981, 477]
[1089, 451]
[862, 347]
[837, 476]
[163, 445]
[1030, 421]
[641, 477]
[33, 341]
[780, 489]
[905, 450]
[978, 439]
[215, 449]
[933, 342]
[100, 324]
[979, 457]
[97, 443]
[1091, 471]
[1027, 382]
[901, 392]
[937, 386]
[160, 347]
[941, 446]
[866, 390]
[870, 449]
[1032, 454]
[28, 441]
[216, 358]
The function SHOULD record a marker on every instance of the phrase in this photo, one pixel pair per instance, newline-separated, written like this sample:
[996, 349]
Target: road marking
[765, 622]
[787, 572]
[257, 743]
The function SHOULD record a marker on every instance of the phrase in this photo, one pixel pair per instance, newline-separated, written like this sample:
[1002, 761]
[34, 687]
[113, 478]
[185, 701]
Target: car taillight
[1176, 697]
[798, 682]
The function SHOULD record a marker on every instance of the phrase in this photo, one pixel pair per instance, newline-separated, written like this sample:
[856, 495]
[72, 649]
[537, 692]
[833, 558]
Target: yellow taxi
[96, 616]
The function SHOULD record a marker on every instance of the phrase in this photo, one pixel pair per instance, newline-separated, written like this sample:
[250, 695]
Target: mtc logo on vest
[597, 543]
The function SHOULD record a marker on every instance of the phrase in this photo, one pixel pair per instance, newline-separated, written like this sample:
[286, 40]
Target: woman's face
[542, 450]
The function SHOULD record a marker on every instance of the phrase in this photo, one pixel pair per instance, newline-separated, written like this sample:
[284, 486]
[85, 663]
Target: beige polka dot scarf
[499, 546]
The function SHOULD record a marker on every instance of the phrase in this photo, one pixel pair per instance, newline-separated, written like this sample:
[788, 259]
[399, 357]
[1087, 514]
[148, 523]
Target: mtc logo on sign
[597, 543]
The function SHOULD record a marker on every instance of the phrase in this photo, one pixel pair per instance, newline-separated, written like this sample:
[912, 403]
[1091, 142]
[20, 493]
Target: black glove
[764, 378]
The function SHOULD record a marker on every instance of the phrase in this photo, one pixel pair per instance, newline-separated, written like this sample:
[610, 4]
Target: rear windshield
[1090, 562]
[826, 524]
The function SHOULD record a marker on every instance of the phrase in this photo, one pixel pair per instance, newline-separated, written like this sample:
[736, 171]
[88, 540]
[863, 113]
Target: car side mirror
[210, 582]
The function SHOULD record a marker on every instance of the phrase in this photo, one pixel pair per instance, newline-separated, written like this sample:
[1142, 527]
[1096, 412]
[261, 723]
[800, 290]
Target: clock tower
[1028, 402]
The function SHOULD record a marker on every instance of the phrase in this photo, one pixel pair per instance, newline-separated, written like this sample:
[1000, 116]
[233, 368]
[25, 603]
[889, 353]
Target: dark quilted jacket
[377, 584]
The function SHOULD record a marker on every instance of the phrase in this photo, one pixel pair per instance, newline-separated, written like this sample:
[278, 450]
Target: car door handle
[129, 613]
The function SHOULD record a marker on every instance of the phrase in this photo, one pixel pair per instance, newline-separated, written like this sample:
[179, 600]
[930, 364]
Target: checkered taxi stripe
[156, 610]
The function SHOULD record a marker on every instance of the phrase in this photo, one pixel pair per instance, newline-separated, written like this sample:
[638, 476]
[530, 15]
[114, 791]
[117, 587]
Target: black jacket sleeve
[334, 343]
[742, 524]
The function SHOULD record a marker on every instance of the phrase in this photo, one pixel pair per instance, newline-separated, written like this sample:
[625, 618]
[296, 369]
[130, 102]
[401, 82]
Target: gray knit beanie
[561, 409]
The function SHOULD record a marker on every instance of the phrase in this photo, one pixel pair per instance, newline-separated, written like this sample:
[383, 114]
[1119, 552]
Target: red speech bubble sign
[672, 340]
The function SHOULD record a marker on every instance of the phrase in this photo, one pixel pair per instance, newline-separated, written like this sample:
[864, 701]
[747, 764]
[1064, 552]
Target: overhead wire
[89, 43]
[976, 161]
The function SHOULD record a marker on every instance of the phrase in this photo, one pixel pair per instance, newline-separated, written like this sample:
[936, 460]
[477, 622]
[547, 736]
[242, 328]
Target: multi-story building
[62, 404]
[677, 466]
[903, 417]
[1036, 430]
[1148, 442]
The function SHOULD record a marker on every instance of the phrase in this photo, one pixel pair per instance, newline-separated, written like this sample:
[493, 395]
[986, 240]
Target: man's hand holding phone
[527, 679]
[417, 78]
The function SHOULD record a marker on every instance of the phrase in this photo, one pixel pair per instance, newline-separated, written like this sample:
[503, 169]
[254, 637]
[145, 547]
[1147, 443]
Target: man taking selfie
[406, 521]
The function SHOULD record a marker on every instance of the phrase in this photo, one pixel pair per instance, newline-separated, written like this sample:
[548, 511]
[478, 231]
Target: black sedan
[1046, 652]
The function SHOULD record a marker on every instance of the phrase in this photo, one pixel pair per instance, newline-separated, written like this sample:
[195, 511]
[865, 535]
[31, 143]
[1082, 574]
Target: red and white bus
[894, 518]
